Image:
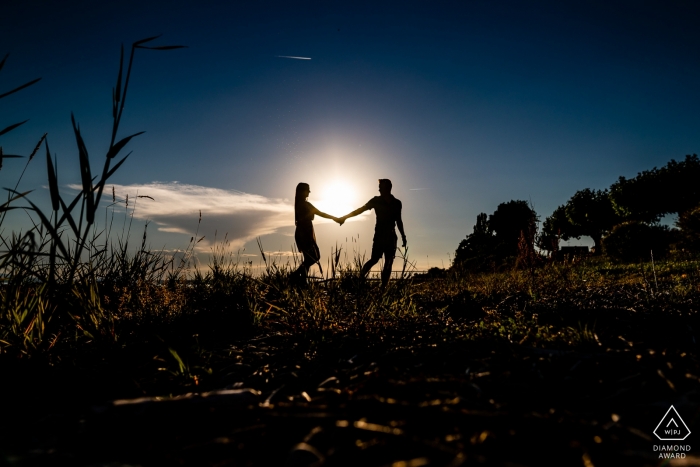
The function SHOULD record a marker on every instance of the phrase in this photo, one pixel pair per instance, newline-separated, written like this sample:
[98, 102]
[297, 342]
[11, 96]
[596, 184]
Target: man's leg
[389, 253]
[376, 256]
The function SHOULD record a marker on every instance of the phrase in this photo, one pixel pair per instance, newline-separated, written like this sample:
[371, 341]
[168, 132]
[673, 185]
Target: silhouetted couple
[388, 211]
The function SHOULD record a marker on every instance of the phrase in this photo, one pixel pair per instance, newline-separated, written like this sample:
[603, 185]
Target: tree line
[622, 220]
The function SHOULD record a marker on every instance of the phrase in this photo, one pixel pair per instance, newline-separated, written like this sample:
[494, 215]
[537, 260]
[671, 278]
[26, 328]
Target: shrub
[689, 223]
[634, 241]
[498, 242]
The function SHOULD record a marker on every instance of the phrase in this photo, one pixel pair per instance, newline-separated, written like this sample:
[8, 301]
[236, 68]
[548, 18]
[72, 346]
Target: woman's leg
[299, 275]
[302, 271]
[312, 256]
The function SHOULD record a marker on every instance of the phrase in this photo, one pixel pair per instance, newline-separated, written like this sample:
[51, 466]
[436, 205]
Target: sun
[336, 198]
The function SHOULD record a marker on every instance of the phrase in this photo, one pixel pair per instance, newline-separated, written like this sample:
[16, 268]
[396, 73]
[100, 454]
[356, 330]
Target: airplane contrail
[291, 56]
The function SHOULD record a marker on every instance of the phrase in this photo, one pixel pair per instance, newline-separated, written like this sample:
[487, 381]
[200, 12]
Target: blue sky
[462, 107]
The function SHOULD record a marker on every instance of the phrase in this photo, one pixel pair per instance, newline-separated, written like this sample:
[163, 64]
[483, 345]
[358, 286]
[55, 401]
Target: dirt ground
[363, 400]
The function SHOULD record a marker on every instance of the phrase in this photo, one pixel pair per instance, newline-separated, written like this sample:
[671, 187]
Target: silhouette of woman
[304, 235]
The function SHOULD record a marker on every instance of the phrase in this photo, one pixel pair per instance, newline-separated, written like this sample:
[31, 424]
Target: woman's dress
[304, 234]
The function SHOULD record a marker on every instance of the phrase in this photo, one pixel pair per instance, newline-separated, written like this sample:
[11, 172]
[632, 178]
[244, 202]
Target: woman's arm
[323, 214]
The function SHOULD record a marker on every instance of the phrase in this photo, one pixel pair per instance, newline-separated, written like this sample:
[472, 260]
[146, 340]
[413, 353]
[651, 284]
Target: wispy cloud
[175, 207]
[293, 57]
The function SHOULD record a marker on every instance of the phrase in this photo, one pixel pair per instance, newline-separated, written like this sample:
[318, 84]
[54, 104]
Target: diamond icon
[672, 427]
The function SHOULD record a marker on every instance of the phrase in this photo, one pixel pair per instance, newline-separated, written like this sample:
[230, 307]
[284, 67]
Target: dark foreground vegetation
[570, 364]
[111, 355]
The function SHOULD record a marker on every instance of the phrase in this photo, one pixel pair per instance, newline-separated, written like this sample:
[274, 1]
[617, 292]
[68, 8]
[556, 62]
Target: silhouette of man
[388, 211]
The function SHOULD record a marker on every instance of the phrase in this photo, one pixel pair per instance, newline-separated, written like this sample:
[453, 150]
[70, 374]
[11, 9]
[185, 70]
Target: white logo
[672, 427]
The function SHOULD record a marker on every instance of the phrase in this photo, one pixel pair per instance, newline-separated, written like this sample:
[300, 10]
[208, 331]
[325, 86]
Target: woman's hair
[299, 198]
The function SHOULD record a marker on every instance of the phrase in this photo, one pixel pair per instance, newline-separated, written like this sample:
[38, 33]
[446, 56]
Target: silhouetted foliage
[63, 270]
[478, 245]
[508, 232]
[508, 222]
[588, 212]
[432, 273]
[635, 241]
[673, 188]
[591, 213]
[689, 224]
[556, 227]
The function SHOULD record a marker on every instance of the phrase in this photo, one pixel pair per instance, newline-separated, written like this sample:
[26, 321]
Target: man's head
[384, 186]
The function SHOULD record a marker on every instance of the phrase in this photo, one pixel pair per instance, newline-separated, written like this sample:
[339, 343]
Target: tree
[509, 222]
[499, 236]
[650, 195]
[477, 244]
[591, 213]
[689, 224]
[587, 213]
[636, 241]
[556, 227]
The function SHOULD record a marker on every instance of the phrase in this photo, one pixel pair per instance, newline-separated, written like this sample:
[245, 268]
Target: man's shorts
[385, 246]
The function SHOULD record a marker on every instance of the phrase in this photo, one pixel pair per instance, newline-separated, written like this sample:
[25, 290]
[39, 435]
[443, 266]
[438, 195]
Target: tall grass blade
[5, 206]
[38, 145]
[53, 180]
[114, 169]
[47, 224]
[117, 93]
[12, 127]
[25, 85]
[31, 156]
[148, 39]
[85, 174]
[3, 156]
[67, 213]
[114, 150]
[105, 176]
[262, 250]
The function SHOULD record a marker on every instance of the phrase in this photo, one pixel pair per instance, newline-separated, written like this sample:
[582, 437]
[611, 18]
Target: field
[115, 355]
[567, 364]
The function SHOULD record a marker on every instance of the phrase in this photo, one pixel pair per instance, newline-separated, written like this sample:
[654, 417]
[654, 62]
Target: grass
[557, 305]
[216, 365]
[485, 359]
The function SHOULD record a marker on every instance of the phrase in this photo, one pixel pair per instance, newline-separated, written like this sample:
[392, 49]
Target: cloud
[175, 207]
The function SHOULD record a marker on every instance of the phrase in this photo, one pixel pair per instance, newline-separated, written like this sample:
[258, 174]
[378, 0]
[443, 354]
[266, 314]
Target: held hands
[403, 239]
[340, 220]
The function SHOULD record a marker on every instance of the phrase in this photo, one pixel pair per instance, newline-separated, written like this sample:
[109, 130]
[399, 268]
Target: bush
[635, 241]
[689, 223]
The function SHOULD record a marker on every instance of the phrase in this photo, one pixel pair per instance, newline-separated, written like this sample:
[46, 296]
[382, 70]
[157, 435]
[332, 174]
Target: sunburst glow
[336, 198]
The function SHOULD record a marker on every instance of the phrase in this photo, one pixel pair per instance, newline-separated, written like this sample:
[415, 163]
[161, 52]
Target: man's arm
[399, 224]
[356, 212]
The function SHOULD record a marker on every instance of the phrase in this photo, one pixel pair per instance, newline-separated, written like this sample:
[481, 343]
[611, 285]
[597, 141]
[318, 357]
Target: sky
[463, 105]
